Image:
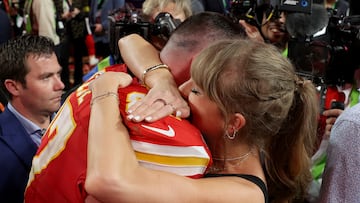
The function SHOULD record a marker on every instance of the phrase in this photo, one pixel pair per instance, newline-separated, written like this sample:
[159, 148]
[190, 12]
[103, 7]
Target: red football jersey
[59, 167]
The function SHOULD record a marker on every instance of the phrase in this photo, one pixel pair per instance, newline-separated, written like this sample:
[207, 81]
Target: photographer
[154, 22]
[98, 17]
[333, 61]
[179, 9]
[262, 21]
[272, 26]
[341, 176]
[155, 12]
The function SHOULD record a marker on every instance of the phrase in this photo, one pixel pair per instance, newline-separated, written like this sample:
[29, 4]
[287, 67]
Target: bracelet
[102, 96]
[152, 68]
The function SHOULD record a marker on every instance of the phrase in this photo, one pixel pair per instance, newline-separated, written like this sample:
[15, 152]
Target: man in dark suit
[30, 78]
[5, 25]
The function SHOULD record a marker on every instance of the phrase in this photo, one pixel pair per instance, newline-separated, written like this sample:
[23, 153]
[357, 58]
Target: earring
[231, 137]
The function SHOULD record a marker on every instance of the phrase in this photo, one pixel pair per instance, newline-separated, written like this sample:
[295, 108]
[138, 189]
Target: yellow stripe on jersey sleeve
[172, 160]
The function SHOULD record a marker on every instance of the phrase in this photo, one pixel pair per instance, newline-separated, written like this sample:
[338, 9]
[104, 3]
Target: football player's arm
[163, 92]
[114, 174]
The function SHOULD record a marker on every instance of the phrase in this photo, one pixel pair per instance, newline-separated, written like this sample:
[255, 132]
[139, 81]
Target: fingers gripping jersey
[59, 167]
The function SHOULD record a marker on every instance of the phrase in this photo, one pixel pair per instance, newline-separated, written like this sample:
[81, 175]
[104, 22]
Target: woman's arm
[113, 172]
[139, 55]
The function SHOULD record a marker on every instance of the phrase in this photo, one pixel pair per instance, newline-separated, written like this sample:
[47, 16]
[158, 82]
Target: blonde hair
[281, 111]
[149, 7]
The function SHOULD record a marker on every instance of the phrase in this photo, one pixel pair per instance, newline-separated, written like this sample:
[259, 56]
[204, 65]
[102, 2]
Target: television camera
[328, 58]
[322, 45]
[248, 10]
[329, 55]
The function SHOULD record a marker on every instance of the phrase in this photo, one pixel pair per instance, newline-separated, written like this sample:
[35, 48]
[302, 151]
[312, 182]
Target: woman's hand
[163, 97]
[161, 100]
[109, 82]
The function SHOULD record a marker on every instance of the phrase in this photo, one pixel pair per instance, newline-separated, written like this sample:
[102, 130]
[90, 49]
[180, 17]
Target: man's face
[43, 89]
[273, 29]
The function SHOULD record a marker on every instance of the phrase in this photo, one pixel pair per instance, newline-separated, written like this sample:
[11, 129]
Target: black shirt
[250, 178]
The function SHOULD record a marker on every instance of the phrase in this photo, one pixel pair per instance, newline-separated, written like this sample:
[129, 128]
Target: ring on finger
[162, 101]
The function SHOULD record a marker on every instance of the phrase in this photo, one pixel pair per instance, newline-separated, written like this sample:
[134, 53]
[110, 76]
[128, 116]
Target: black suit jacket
[16, 152]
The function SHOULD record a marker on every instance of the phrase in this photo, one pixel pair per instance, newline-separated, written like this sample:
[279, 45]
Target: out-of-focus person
[179, 9]
[99, 22]
[48, 18]
[340, 180]
[6, 30]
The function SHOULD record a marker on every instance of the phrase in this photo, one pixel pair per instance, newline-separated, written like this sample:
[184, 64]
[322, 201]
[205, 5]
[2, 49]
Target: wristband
[152, 68]
[102, 96]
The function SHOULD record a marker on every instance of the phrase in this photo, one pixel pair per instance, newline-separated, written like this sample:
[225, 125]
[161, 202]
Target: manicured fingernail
[137, 118]
[148, 119]
[129, 111]
[129, 117]
[178, 113]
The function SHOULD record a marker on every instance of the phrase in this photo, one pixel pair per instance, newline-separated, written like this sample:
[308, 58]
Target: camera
[344, 46]
[251, 10]
[329, 56]
[337, 105]
[244, 10]
[127, 21]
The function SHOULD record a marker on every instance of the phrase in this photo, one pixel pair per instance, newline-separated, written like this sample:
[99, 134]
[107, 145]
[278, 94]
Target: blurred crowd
[79, 28]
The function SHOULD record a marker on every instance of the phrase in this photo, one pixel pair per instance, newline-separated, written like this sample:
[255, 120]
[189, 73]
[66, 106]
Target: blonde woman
[179, 9]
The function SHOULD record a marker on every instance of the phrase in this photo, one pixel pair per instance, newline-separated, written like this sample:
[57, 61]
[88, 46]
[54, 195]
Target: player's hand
[251, 31]
[109, 82]
[162, 100]
[331, 115]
